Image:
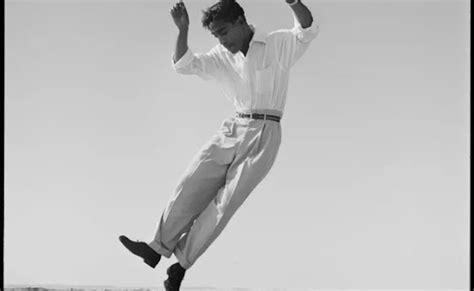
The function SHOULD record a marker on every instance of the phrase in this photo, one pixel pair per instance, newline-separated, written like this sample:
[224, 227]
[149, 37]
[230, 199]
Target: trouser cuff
[159, 249]
[182, 259]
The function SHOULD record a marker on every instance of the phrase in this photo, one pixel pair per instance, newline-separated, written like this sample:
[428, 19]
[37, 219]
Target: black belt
[259, 116]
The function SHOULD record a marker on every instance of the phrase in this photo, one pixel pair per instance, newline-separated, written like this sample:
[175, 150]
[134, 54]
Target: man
[253, 68]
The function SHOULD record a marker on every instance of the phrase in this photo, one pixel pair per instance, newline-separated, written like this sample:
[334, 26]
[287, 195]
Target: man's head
[226, 21]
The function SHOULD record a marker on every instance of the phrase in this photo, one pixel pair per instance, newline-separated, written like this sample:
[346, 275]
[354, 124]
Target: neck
[248, 37]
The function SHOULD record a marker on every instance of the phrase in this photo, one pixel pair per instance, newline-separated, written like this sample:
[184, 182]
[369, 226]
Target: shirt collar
[258, 35]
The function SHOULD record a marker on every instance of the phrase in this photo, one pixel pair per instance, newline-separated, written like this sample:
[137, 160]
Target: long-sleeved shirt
[258, 80]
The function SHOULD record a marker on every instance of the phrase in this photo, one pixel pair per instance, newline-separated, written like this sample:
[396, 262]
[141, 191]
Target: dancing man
[253, 67]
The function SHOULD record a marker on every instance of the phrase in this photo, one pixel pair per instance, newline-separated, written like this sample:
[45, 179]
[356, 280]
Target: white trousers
[218, 180]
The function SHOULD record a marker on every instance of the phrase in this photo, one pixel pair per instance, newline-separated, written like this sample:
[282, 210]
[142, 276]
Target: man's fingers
[178, 9]
[179, 6]
[176, 13]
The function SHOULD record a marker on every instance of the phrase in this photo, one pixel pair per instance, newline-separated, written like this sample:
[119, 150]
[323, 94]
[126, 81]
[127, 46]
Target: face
[230, 35]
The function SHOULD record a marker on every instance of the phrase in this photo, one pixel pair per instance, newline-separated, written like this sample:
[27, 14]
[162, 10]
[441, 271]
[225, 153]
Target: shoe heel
[151, 263]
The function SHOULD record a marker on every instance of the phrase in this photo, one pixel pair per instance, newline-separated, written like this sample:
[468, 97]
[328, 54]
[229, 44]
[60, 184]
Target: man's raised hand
[180, 15]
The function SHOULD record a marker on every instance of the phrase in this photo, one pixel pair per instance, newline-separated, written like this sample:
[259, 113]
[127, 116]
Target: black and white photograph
[237, 145]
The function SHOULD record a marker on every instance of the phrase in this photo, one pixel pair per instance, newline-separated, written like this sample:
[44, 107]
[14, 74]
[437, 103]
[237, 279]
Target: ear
[240, 20]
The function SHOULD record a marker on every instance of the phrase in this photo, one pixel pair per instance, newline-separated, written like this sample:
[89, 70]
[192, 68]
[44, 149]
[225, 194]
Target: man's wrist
[183, 29]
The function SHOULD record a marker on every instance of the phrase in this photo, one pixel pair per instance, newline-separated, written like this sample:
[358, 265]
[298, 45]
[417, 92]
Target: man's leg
[205, 175]
[254, 159]
[200, 184]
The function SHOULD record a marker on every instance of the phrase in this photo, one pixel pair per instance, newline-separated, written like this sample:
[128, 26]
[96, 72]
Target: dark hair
[224, 10]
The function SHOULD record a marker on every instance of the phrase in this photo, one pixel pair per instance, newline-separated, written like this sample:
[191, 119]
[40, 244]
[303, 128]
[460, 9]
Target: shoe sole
[150, 262]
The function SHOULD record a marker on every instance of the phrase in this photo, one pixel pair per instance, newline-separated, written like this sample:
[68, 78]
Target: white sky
[370, 189]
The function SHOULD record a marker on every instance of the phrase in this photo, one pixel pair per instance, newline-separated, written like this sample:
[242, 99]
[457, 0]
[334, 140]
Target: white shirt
[258, 80]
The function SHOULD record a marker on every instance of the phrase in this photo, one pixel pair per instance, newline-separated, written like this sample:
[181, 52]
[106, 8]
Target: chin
[233, 50]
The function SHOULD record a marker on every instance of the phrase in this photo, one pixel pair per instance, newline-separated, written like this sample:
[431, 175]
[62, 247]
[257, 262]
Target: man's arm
[185, 61]
[181, 19]
[292, 43]
[302, 13]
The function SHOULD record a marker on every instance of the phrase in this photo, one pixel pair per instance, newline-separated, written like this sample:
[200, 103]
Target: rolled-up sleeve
[294, 42]
[204, 65]
[306, 34]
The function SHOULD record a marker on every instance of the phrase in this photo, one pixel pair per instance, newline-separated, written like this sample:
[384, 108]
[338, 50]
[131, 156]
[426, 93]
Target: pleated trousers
[218, 180]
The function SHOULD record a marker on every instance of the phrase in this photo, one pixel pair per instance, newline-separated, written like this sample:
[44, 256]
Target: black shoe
[175, 277]
[142, 250]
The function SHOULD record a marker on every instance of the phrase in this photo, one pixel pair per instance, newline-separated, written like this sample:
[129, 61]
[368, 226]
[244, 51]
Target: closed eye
[220, 33]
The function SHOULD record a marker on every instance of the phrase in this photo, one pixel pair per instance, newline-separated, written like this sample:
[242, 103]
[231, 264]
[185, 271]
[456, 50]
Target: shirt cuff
[184, 61]
[305, 34]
